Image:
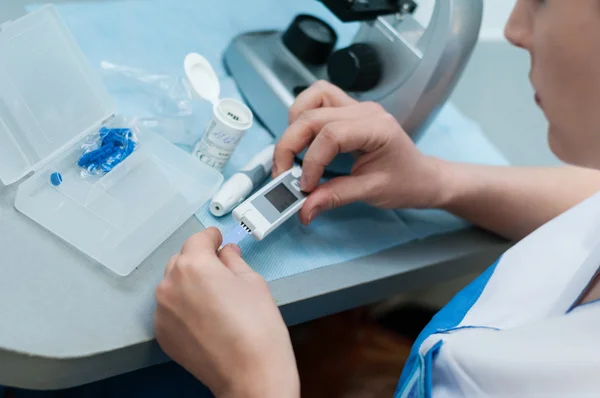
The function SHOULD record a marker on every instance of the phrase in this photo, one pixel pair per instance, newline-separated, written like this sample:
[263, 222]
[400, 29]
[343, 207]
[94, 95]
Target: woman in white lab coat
[526, 327]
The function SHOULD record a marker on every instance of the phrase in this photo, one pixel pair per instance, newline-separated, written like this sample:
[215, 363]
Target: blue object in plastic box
[117, 145]
[117, 218]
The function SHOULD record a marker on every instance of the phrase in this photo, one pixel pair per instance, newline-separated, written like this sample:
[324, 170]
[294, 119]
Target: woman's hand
[389, 172]
[216, 318]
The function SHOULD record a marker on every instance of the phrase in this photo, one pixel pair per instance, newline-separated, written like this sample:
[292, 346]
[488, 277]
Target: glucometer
[272, 205]
[268, 208]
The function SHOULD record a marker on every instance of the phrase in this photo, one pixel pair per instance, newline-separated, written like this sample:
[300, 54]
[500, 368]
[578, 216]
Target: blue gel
[56, 179]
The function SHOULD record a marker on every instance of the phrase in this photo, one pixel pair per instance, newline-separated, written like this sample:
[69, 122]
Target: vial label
[217, 144]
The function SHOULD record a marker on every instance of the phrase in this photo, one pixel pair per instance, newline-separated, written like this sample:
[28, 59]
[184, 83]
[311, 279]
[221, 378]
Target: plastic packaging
[165, 103]
[103, 150]
[170, 96]
[169, 107]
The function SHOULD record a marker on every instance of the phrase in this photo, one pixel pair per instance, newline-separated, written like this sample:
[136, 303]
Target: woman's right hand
[390, 172]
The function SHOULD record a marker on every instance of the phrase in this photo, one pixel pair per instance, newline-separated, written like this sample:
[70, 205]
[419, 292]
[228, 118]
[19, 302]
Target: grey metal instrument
[409, 69]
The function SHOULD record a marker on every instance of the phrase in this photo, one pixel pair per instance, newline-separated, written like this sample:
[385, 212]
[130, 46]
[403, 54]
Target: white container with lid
[50, 101]
[230, 120]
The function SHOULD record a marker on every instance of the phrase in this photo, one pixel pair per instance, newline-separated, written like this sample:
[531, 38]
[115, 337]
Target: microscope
[393, 60]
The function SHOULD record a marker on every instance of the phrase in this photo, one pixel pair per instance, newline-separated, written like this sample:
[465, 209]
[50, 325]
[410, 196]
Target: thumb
[231, 256]
[335, 193]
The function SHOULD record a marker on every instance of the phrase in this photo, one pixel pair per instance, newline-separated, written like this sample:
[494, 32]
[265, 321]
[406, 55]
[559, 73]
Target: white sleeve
[556, 357]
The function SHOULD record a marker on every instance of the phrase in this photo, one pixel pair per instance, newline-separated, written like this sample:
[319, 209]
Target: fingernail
[303, 182]
[235, 248]
[313, 214]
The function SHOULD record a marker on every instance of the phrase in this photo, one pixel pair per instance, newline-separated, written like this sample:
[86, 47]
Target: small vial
[231, 119]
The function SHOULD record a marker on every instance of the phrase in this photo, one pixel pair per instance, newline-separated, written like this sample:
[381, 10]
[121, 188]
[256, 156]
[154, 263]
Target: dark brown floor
[349, 355]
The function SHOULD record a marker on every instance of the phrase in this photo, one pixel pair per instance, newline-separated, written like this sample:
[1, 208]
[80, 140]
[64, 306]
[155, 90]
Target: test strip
[235, 236]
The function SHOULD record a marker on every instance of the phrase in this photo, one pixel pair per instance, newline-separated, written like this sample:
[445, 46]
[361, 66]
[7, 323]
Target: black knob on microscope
[355, 68]
[310, 39]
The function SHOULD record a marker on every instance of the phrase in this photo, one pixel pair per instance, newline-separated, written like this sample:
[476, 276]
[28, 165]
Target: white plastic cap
[202, 78]
[233, 192]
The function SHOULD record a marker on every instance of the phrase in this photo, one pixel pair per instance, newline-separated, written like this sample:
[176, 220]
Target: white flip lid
[50, 96]
[205, 83]
[202, 77]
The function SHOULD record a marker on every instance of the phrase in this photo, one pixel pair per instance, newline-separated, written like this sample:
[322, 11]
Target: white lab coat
[514, 332]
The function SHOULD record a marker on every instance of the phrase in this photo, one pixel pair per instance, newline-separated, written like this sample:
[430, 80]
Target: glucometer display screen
[281, 197]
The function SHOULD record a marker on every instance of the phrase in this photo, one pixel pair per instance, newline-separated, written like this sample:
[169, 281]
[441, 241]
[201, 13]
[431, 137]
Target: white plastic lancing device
[237, 188]
[272, 205]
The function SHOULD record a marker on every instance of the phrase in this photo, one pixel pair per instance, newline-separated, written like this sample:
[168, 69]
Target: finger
[231, 256]
[335, 193]
[203, 243]
[171, 264]
[234, 247]
[320, 94]
[336, 138]
[299, 135]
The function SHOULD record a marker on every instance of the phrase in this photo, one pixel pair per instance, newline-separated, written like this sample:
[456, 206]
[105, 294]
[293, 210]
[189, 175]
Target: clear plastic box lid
[50, 100]
[49, 93]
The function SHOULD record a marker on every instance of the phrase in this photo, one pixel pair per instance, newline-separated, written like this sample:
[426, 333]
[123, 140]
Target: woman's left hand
[216, 318]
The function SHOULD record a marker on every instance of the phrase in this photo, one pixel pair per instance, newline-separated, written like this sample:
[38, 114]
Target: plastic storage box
[51, 99]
